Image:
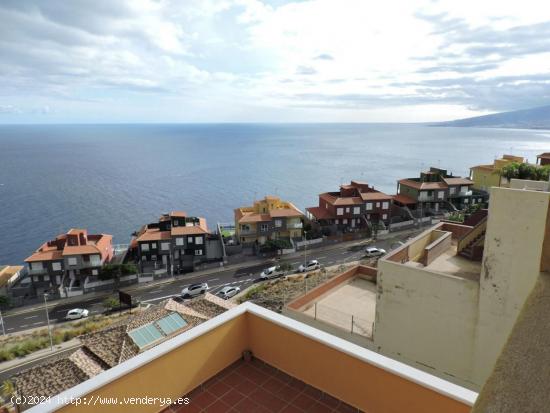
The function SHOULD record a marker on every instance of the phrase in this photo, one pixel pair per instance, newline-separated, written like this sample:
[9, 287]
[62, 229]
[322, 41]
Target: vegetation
[21, 345]
[111, 302]
[456, 217]
[275, 245]
[4, 301]
[517, 170]
[110, 271]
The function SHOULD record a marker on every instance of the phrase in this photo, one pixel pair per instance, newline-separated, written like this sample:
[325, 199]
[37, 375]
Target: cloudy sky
[272, 61]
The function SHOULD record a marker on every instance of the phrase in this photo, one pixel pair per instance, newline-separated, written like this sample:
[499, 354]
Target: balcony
[311, 367]
[37, 271]
[295, 225]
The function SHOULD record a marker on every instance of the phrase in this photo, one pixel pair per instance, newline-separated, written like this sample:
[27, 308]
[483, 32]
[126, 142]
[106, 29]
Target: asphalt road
[243, 277]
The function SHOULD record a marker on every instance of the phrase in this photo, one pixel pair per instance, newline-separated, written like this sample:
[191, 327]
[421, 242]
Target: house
[9, 274]
[353, 208]
[543, 159]
[486, 176]
[175, 244]
[268, 219]
[65, 262]
[436, 191]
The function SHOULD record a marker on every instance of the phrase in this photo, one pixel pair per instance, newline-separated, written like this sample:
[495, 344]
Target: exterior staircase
[469, 245]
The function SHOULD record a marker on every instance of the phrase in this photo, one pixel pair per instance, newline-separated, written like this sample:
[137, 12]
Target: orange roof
[333, 200]
[202, 228]
[458, 181]
[319, 213]
[285, 212]
[423, 185]
[95, 244]
[179, 214]
[250, 217]
[404, 199]
[545, 155]
[153, 234]
[374, 196]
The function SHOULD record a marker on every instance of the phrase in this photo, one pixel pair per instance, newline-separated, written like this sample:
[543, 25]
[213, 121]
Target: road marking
[319, 258]
[61, 311]
[9, 329]
[213, 279]
[156, 291]
[40, 322]
[295, 263]
[24, 325]
[32, 316]
[159, 298]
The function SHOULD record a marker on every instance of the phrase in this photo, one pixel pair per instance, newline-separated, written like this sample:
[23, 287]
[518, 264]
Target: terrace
[295, 368]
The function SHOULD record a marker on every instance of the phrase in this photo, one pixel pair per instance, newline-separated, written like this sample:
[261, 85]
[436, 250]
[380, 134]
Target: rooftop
[267, 209]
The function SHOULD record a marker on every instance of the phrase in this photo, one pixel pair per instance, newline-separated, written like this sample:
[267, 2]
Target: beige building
[442, 311]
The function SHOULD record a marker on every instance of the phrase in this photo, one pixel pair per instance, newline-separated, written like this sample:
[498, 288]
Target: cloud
[323, 56]
[305, 70]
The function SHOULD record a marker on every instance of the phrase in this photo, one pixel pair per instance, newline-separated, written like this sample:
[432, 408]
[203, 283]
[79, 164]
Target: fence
[309, 242]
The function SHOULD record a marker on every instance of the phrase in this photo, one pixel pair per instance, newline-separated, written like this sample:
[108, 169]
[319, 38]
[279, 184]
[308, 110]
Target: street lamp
[305, 249]
[48, 320]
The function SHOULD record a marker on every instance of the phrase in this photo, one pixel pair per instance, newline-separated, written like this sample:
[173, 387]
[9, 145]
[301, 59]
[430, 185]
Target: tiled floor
[256, 387]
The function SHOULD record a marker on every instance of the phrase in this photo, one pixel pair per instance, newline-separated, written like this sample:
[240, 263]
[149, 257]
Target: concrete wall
[426, 319]
[516, 229]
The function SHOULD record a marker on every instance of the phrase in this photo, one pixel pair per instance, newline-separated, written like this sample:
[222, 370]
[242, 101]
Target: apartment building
[67, 260]
[354, 207]
[268, 219]
[447, 300]
[176, 243]
[486, 176]
[436, 191]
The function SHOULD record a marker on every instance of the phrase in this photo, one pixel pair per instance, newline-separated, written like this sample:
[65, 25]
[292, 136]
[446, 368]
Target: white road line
[319, 258]
[9, 329]
[213, 279]
[32, 316]
[24, 325]
[40, 322]
[155, 291]
[159, 298]
[295, 263]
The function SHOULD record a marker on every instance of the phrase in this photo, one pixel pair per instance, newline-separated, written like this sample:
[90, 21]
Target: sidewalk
[196, 274]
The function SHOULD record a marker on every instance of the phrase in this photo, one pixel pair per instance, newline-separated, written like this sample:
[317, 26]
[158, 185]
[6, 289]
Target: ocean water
[114, 178]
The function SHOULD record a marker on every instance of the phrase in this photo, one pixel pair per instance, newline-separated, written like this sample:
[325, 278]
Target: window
[347, 210]
[179, 241]
[384, 216]
[278, 223]
[145, 247]
[35, 266]
[165, 246]
[56, 266]
[176, 254]
[385, 205]
[369, 206]
[176, 223]
[339, 211]
[463, 189]
[198, 252]
[198, 240]
[153, 245]
[46, 278]
[95, 260]
[452, 190]
[189, 240]
[153, 257]
[378, 205]
[441, 194]
[356, 210]
[264, 227]
[144, 258]
[95, 272]
[72, 261]
[466, 200]
[345, 221]
[336, 221]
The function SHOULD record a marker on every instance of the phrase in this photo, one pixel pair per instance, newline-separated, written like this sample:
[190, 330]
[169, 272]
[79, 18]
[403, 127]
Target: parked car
[76, 313]
[194, 289]
[228, 292]
[272, 272]
[310, 266]
[375, 252]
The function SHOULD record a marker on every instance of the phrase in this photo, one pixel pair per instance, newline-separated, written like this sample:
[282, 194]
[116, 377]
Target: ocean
[115, 178]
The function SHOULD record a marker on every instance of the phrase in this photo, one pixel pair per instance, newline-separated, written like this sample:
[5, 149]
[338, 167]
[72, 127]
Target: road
[217, 279]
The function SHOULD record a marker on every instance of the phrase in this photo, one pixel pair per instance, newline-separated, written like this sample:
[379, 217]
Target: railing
[295, 225]
[37, 271]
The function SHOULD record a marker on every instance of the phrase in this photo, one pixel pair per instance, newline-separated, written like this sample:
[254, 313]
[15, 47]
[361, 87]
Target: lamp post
[48, 320]
[305, 249]
[2, 322]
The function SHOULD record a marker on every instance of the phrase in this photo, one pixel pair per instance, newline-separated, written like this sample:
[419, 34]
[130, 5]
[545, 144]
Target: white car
[272, 272]
[228, 292]
[76, 313]
[375, 252]
[194, 289]
[310, 266]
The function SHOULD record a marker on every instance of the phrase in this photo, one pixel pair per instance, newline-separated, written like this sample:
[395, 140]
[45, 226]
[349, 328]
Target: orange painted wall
[362, 385]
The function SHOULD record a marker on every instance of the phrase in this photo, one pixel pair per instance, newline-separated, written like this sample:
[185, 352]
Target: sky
[106, 61]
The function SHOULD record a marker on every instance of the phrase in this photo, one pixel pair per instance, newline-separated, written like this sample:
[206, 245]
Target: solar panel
[145, 335]
[171, 323]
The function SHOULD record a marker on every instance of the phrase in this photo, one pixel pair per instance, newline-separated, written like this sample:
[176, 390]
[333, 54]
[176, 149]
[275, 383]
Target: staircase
[474, 239]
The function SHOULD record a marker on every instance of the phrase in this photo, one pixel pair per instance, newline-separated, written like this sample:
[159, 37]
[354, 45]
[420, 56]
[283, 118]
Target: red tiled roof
[423, 185]
[153, 234]
[404, 199]
[95, 244]
[375, 196]
[191, 229]
[458, 181]
[319, 213]
[250, 217]
[336, 200]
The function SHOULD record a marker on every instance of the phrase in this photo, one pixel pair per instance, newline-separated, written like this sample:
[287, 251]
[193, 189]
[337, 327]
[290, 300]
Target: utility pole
[305, 249]
[48, 320]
